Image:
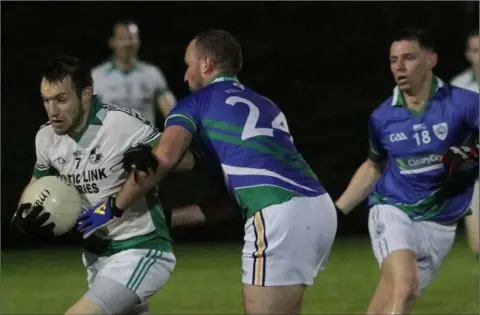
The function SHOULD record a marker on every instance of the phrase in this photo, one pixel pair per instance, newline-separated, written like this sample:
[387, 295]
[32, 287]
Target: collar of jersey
[399, 100]
[113, 67]
[92, 118]
[473, 78]
[223, 77]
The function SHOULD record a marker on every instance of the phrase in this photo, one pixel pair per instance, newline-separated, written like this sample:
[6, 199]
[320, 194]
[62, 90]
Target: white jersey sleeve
[99, 84]
[160, 82]
[132, 128]
[43, 164]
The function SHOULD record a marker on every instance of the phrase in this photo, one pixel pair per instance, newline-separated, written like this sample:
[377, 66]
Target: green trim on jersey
[422, 210]
[114, 67]
[184, 116]
[271, 149]
[159, 92]
[473, 78]
[255, 198]
[399, 99]
[158, 239]
[91, 120]
[223, 77]
[39, 174]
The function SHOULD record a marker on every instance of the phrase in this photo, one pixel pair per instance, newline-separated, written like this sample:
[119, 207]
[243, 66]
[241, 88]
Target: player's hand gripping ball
[48, 205]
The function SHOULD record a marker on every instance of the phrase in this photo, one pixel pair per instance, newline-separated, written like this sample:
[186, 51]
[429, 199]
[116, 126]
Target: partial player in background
[415, 200]
[468, 80]
[126, 81]
[127, 252]
[290, 220]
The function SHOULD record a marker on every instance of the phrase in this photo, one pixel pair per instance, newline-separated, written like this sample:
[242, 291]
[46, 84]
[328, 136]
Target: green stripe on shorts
[153, 260]
[138, 269]
[142, 269]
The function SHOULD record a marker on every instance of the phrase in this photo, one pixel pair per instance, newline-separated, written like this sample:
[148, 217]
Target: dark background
[324, 63]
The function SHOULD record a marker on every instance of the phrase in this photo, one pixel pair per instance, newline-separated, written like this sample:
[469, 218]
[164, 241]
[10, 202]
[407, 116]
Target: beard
[76, 122]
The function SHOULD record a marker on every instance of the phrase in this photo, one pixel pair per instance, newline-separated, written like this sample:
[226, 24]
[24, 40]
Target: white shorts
[143, 271]
[475, 204]
[391, 229]
[287, 244]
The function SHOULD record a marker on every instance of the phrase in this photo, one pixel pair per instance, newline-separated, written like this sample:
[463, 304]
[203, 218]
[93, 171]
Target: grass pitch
[207, 277]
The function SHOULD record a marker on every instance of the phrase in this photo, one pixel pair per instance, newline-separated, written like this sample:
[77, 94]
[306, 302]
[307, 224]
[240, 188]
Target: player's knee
[85, 307]
[405, 289]
[273, 300]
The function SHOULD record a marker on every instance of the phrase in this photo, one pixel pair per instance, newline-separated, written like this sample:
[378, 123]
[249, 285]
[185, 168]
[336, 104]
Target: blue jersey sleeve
[186, 113]
[376, 151]
[471, 113]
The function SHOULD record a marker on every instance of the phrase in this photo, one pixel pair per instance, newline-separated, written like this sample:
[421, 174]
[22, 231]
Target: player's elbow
[168, 161]
[373, 166]
[186, 164]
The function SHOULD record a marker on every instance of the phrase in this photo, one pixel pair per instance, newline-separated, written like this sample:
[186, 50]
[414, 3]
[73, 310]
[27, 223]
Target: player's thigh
[473, 232]
[105, 296]
[141, 272]
[390, 230]
[273, 300]
[286, 244]
[144, 271]
[472, 221]
[436, 241]
[475, 204]
[395, 246]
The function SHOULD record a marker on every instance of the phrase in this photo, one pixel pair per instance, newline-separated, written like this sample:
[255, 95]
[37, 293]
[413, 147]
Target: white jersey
[138, 89]
[93, 163]
[466, 80]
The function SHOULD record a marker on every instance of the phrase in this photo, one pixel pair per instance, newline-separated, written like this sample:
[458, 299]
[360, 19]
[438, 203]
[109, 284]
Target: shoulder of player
[459, 95]
[119, 117]
[101, 69]
[45, 134]
[384, 109]
[149, 68]
[462, 77]
[200, 97]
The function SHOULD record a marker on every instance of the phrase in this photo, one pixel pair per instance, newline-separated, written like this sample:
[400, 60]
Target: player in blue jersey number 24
[427, 183]
[290, 221]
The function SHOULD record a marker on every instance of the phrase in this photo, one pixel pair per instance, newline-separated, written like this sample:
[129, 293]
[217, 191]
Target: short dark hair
[64, 66]
[222, 48]
[423, 37]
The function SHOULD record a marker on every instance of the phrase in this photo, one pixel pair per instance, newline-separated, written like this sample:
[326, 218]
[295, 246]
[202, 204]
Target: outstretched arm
[171, 148]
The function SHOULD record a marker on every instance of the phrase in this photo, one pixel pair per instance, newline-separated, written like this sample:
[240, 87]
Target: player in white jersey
[128, 82]
[468, 80]
[129, 258]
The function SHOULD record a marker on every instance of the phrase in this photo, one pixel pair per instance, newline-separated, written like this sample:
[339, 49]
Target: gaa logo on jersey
[95, 156]
[400, 136]
[440, 130]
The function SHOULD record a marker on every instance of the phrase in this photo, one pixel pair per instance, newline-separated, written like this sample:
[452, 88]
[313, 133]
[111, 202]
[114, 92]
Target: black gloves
[141, 158]
[31, 224]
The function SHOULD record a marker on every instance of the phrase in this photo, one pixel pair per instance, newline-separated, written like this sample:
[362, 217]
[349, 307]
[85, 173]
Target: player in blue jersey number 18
[426, 185]
[290, 221]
